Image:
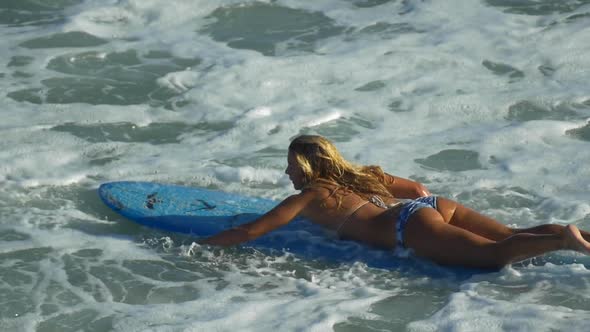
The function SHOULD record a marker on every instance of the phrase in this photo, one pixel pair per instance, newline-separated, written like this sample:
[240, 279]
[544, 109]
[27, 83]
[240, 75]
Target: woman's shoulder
[319, 184]
[317, 190]
[322, 189]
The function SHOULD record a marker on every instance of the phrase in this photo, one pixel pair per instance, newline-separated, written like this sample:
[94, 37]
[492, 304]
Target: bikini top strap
[360, 205]
[378, 201]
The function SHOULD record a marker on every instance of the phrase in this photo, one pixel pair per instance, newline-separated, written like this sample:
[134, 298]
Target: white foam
[324, 118]
[314, 307]
[179, 81]
[490, 305]
[108, 22]
[433, 93]
[259, 112]
[247, 174]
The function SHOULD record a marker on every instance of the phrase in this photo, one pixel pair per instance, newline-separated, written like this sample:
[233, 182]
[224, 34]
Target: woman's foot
[575, 241]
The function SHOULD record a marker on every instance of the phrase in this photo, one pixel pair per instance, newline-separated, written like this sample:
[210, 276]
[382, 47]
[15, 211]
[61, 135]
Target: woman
[362, 204]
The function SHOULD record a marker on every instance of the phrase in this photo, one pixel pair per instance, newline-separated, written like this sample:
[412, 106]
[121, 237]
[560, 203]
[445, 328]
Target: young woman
[362, 203]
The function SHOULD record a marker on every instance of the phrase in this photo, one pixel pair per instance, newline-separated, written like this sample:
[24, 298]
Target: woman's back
[352, 216]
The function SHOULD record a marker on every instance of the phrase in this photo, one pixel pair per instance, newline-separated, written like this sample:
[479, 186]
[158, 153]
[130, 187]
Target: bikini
[409, 207]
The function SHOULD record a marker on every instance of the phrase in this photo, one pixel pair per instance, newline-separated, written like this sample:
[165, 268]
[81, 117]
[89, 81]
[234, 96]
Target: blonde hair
[320, 161]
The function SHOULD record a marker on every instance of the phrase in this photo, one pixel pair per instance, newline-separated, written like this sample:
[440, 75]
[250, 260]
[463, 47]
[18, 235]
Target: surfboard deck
[187, 210]
[203, 212]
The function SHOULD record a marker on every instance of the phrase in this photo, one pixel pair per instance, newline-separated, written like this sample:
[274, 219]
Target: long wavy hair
[320, 161]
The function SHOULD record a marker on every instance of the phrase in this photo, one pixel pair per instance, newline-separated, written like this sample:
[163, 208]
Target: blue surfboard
[202, 212]
[187, 210]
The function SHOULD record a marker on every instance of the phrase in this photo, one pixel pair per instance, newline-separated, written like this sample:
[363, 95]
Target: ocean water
[486, 102]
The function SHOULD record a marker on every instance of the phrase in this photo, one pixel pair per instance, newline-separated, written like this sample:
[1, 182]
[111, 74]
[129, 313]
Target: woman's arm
[404, 188]
[280, 215]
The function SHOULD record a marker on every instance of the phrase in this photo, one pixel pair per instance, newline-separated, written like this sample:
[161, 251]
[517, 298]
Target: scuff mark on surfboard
[115, 203]
[151, 200]
[204, 205]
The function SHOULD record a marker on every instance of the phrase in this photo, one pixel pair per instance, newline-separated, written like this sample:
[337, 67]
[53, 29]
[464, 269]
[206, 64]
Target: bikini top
[378, 201]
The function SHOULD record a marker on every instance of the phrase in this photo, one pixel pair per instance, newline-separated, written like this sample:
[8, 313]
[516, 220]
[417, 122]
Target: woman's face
[294, 172]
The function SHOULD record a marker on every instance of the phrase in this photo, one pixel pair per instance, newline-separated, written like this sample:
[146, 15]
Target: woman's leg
[475, 222]
[431, 237]
[463, 217]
